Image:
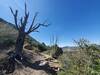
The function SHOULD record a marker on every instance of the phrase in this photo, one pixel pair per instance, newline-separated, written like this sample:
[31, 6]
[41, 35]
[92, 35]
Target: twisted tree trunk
[19, 43]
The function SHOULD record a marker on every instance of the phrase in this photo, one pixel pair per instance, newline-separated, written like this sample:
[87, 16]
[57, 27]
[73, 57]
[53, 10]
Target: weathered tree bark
[19, 43]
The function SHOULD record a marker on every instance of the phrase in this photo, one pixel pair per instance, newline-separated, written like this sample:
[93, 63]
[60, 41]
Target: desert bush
[42, 47]
[89, 58]
[84, 61]
[57, 52]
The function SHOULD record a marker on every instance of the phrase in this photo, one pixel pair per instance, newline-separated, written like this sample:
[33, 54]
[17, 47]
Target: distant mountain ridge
[76, 48]
[70, 48]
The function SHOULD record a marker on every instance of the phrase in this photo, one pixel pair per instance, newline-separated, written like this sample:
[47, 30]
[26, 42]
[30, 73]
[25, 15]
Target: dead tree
[17, 57]
[21, 27]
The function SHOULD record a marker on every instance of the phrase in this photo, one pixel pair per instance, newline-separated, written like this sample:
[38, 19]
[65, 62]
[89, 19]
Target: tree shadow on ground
[36, 66]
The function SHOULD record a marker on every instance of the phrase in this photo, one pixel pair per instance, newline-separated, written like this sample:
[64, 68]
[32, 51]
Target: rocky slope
[9, 32]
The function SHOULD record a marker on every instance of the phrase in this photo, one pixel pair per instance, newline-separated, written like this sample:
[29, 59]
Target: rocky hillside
[9, 32]
[41, 64]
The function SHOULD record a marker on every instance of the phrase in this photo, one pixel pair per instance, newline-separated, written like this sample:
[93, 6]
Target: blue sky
[69, 19]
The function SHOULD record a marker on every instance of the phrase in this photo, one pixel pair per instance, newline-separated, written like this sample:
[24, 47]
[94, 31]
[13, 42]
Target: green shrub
[42, 47]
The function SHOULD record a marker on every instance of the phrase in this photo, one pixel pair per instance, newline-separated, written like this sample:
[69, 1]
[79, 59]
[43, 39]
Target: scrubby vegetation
[27, 52]
[84, 61]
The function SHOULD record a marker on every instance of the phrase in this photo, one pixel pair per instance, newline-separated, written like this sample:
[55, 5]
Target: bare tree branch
[25, 8]
[26, 15]
[25, 18]
[11, 11]
[35, 27]
[34, 18]
[23, 22]
[15, 17]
